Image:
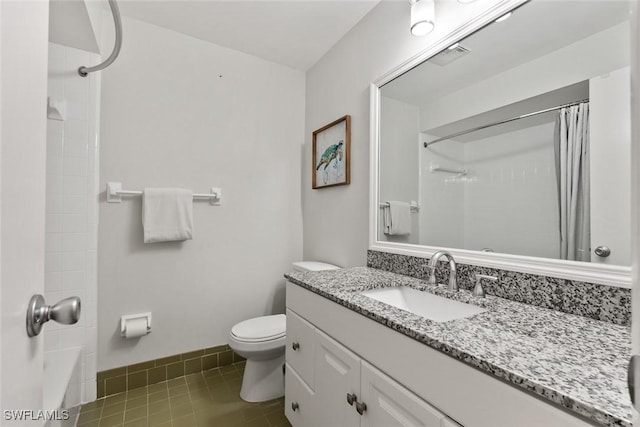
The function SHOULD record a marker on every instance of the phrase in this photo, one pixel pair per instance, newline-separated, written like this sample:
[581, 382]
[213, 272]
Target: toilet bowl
[261, 341]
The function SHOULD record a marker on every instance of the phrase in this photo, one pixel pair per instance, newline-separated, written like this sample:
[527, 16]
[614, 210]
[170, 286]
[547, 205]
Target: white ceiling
[69, 25]
[295, 33]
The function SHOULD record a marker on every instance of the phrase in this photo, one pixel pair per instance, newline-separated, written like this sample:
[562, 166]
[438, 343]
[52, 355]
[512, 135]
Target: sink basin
[433, 307]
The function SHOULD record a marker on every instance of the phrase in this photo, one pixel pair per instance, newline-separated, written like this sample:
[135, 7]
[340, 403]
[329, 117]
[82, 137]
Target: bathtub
[59, 369]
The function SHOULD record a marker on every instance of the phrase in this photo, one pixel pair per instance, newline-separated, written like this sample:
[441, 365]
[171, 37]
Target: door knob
[295, 346]
[294, 406]
[66, 311]
[602, 251]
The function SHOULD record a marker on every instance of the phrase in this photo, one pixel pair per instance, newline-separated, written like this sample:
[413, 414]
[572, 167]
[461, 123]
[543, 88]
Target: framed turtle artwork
[331, 154]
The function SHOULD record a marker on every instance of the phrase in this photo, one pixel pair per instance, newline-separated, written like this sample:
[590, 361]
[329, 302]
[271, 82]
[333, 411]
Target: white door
[391, 405]
[635, 200]
[337, 374]
[610, 139]
[23, 95]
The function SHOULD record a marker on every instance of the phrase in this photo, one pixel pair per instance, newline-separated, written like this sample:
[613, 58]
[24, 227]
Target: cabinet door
[337, 374]
[299, 404]
[390, 405]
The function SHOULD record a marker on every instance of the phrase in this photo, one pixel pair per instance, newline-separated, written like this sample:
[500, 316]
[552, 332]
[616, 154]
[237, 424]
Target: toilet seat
[260, 329]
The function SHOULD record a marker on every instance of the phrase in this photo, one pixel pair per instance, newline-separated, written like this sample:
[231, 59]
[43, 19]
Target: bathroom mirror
[508, 143]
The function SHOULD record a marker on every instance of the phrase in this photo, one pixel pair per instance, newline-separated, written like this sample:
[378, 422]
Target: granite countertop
[574, 361]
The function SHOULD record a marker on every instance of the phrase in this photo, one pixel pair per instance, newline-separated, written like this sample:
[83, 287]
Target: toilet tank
[313, 266]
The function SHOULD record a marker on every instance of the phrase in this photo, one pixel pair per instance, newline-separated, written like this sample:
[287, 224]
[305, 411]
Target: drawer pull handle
[294, 406]
[351, 398]
[295, 346]
[361, 407]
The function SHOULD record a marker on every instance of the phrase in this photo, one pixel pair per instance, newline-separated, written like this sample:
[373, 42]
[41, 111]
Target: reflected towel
[397, 219]
[167, 214]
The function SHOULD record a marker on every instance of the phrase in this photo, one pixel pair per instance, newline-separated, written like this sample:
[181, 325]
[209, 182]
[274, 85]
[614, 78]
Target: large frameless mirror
[513, 143]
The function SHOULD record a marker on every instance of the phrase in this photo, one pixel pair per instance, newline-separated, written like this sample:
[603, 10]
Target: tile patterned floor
[207, 399]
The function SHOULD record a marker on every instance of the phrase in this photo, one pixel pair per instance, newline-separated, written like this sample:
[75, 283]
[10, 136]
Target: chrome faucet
[433, 262]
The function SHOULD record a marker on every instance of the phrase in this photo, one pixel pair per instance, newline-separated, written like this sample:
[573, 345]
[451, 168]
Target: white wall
[72, 211]
[400, 171]
[177, 111]
[339, 84]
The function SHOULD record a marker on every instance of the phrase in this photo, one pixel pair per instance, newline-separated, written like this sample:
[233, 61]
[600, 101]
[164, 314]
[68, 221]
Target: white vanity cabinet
[345, 390]
[333, 352]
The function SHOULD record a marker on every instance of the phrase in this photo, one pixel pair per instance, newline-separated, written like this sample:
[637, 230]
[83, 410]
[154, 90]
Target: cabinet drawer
[301, 347]
[298, 401]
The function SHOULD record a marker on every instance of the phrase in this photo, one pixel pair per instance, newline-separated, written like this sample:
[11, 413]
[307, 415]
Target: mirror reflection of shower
[500, 170]
[545, 150]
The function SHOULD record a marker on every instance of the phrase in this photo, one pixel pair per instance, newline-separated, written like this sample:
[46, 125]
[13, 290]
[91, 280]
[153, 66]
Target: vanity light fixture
[504, 17]
[423, 16]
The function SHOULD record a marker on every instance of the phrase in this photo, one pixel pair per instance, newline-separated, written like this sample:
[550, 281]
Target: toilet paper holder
[124, 319]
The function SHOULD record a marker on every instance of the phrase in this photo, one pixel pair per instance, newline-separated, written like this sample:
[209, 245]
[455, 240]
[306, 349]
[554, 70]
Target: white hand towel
[397, 219]
[167, 214]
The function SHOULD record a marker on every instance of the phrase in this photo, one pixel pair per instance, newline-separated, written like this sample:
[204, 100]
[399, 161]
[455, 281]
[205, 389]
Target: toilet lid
[261, 328]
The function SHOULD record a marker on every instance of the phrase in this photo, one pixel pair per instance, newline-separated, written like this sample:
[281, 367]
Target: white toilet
[261, 341]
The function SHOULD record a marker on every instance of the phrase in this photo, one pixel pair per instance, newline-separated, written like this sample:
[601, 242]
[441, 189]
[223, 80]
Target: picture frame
[331, 154]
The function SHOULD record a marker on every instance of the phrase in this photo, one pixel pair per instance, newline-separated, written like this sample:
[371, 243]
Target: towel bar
[413, 206]
[115, 193]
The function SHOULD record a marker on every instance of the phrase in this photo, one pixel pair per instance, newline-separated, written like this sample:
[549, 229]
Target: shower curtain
[572, 172]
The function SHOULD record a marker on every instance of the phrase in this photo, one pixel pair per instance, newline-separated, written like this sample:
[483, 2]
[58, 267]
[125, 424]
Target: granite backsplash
[601, 302]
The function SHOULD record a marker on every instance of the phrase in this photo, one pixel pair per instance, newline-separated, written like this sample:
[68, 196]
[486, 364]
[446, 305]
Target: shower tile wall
[493, 202]
[443, 188]
[513, 172]
[72, 211]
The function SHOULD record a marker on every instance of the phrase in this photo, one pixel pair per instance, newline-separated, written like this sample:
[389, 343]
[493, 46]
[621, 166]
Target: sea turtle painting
[332, 152]
[331, 157]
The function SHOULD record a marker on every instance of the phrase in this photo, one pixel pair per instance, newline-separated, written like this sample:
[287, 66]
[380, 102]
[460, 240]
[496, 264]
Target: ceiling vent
[447, 56]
